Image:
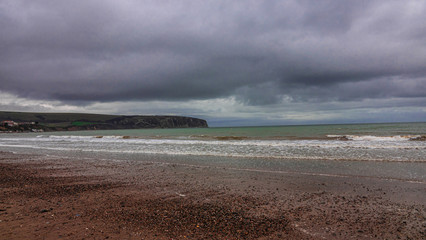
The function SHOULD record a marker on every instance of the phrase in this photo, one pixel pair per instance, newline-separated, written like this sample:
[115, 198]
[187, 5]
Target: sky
[233, 63]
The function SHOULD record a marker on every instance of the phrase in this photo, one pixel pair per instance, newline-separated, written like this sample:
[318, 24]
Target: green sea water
[394, 152]
[267, 132]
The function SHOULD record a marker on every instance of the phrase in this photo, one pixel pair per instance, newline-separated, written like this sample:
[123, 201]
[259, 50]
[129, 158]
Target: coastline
[51, 197]
[20, 122]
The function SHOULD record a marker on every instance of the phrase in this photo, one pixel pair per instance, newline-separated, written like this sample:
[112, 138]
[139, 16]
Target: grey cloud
[260, 52]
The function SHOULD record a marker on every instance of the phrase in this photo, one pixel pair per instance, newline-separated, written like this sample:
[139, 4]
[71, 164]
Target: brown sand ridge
[52, 198]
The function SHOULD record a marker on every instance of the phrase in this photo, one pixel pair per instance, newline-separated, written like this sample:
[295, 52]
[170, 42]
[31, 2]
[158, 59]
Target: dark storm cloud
[262, 52]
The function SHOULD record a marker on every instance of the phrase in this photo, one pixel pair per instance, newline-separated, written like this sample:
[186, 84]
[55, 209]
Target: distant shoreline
[49, 122]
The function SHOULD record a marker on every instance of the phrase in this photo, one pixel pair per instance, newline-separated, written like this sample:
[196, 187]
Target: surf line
[325, 175]
[290, 172]
[251, 169]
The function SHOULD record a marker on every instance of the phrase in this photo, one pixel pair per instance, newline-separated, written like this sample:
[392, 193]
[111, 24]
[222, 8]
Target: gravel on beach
[47, 198]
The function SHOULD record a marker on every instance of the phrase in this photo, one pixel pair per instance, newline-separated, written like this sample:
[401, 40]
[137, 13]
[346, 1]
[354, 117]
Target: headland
[37, 122]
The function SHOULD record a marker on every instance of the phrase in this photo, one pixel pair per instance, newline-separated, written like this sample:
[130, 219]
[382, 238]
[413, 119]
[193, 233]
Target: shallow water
[365, 150]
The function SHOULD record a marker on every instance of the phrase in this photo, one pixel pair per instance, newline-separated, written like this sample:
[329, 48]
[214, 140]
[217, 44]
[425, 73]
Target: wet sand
[60, 198]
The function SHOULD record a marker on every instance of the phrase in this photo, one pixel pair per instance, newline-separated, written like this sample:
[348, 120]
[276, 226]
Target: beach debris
[180, 195]
[46, 210]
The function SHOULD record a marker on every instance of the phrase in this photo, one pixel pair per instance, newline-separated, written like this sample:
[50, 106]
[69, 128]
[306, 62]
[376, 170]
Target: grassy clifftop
[83, 121]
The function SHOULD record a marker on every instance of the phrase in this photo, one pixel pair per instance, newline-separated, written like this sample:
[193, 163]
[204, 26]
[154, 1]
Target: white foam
[363, 148]
[376, 138]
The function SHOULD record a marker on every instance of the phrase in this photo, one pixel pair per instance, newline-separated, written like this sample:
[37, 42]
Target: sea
[389, 151]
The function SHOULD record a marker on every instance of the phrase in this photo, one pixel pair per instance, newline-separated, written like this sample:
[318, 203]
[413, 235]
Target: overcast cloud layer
[253, 62]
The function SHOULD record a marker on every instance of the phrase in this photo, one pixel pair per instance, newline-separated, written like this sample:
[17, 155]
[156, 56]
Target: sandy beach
[45, 197]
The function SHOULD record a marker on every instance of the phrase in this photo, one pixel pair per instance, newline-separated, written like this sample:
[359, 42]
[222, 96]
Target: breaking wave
[333, 147]
[378, 138]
